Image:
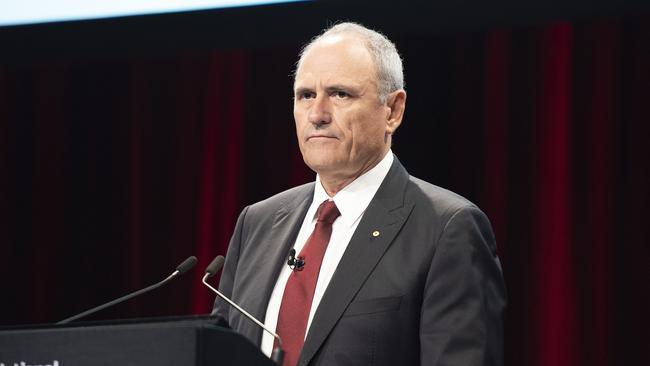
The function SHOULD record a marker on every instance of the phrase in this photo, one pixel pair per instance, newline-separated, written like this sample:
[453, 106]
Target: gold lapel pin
[375, 233]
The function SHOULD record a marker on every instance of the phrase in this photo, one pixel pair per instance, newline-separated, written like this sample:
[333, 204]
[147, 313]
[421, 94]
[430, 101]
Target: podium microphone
[182, 268]
[277, 355]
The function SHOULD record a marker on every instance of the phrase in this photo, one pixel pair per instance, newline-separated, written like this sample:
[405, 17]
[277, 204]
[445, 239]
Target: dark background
[129, 144]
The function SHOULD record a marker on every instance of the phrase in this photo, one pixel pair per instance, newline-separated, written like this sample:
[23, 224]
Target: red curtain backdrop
[113, 169]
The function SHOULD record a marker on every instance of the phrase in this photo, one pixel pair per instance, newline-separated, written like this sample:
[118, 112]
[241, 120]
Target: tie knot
[327, 212]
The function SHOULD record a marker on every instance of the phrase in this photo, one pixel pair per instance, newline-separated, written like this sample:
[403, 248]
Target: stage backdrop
[114, 169]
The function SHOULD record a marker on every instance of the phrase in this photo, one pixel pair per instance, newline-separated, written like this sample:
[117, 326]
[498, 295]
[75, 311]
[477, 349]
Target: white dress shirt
[352, 202]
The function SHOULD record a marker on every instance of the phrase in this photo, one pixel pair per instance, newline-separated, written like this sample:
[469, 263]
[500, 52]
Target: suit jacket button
[375, 233]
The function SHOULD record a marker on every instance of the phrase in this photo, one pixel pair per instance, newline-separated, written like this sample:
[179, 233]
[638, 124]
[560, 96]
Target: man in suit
[389, 270]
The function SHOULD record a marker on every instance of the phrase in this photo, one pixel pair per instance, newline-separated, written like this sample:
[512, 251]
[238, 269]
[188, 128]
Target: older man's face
[340, 122]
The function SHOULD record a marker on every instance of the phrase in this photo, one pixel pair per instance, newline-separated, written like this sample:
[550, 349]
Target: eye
[341, 94]
[306, 95]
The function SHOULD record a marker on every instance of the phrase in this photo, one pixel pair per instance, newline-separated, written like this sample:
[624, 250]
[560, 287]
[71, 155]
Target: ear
[395, 106]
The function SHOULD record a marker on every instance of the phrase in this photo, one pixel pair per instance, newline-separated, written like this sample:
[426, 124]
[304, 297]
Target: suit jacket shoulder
[436, 198]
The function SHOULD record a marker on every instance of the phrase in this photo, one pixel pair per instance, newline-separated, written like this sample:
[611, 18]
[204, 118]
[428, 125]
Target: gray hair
[390, 75]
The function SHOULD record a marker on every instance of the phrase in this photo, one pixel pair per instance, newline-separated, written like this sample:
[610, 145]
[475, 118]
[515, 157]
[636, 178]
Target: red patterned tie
[299, 291]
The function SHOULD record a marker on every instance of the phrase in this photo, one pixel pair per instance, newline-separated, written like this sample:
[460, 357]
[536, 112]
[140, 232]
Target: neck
[334, 186]
[333, 183]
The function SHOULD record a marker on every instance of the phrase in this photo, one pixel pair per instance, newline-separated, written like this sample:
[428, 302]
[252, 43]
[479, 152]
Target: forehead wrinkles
[337, 59]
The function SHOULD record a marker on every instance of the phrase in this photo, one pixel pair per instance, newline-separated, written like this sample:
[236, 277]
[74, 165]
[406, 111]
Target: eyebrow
[329, 89]
[337, 87]
[302, 90]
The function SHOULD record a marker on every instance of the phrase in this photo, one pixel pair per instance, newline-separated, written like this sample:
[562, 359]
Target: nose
[320, 112]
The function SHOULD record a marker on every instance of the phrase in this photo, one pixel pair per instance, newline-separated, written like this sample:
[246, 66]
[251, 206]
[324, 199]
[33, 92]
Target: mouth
[320, 137]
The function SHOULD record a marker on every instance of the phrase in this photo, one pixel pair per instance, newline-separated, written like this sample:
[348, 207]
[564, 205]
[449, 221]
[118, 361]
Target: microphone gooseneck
[277, 355]
[182, 268]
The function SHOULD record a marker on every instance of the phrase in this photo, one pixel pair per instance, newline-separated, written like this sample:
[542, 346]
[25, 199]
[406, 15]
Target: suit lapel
[384, 217]
[286, 224]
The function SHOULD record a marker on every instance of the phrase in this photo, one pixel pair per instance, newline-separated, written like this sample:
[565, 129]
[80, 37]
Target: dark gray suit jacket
[428, 290]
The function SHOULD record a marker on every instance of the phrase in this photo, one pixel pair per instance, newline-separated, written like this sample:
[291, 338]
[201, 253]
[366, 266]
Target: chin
[320, 163]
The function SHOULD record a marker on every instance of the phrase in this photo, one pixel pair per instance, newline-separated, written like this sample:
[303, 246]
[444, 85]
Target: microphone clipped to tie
[295, 263]
[277, 355]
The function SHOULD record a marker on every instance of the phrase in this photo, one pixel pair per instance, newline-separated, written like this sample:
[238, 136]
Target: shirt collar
[354, 198]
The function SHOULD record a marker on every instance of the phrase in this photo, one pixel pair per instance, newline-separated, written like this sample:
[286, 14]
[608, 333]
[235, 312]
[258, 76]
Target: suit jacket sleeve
[464, 296]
